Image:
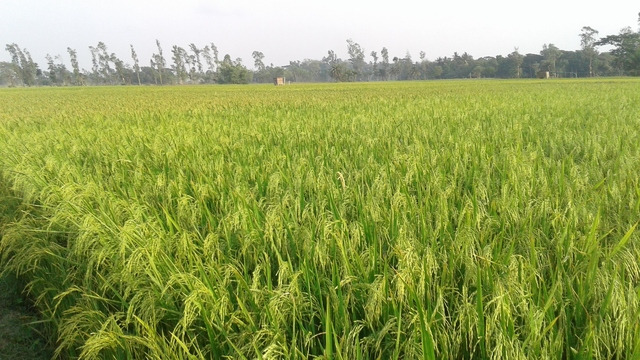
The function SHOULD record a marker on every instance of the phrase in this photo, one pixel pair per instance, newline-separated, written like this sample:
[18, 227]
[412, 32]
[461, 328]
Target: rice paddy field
[421, 220]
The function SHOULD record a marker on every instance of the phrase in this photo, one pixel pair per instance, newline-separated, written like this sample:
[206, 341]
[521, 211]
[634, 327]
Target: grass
[480, 219]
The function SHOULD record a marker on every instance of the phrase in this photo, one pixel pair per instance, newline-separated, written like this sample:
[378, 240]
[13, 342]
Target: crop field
[425, 220]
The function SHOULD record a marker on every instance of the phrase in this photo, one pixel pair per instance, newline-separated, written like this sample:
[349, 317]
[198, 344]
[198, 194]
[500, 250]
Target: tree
[120, 69]
[208, 59]
[294, 71]
[395, 68]
[30, 68]
[233, 72]
[337, 69]
[158, 62]
[214, 49]
[211, 64]
[374, 55]
[384, 70]
[94, 61]
[412, 69]
[263, 74]
[190, 65]
[356, 58]
[57, 73]
[551, 54]
[626, 50]
[24, 66]
[258, 56]
[136, 63]
[331, 57]
[197, 59]
[517, 59]
[178, 66]
[210, 54]
[531, 65]
[424, 65]
[77, 76]
[104, 58]
[101, 64]
[8, 74]
[51, 66]
[404, 68]
[588, 44]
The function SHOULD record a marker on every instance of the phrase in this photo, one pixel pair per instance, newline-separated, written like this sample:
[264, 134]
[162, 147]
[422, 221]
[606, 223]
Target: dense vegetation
[202, 65]
[475, 219]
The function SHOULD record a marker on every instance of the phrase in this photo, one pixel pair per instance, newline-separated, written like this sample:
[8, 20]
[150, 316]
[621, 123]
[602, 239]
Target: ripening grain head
[433, 220]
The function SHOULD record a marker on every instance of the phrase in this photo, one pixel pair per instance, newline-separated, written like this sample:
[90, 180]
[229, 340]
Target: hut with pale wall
[543, 74]
[279, 81]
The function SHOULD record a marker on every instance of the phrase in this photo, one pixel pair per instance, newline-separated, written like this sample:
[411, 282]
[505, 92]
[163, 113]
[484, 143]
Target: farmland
[464, 219]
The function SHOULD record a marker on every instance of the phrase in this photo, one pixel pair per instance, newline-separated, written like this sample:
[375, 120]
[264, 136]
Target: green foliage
[348, 221]
[23, 65]
[626, 50]
[233, 72]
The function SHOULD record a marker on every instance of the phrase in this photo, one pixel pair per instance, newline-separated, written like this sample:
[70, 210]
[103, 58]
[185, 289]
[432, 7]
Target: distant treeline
[202, 65]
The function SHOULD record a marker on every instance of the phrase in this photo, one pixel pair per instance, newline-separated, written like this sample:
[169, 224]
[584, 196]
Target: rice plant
[479, 219]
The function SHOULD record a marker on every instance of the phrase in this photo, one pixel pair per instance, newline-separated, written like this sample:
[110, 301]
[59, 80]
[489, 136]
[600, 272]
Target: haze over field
[287, 30]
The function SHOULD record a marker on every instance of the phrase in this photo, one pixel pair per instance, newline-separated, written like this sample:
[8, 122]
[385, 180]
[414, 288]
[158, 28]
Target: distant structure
[279, 81]
[543, 75]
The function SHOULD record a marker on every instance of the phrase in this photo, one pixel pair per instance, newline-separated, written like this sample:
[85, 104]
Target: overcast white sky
[294, 30]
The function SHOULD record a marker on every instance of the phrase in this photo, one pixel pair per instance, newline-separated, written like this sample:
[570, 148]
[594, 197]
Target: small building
[279, 81]
[543, 74]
